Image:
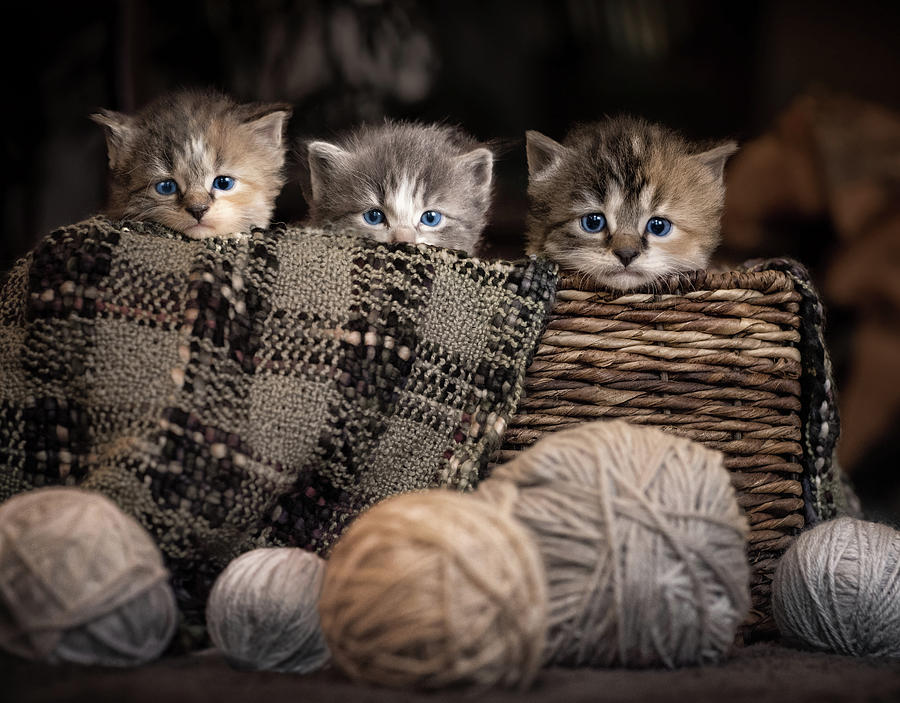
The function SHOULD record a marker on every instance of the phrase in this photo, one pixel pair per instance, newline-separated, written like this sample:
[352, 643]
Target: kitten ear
[542, 152]
[321, 159]
[715, 158]
[269, 122]
[119, 129]
[478, 164]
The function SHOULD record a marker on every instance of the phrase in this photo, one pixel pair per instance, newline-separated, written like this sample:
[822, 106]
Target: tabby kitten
[624, 201]
[401, 182]
[197, 162]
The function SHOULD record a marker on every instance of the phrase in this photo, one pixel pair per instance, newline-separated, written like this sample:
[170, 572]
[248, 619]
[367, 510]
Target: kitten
[402, 182]
[196, 162]
[624, 201]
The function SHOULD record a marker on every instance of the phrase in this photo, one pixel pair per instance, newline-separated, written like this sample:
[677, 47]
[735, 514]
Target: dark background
[496, 67]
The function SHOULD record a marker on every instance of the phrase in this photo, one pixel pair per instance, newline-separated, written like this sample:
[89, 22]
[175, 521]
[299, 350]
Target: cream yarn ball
[837, 589]
[262, 611]
[643, 543]
[435, 589]
[81, 581]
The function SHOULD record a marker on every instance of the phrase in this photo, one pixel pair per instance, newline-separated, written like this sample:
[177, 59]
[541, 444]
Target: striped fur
[629, 170]
[403, 169]
[192, 137]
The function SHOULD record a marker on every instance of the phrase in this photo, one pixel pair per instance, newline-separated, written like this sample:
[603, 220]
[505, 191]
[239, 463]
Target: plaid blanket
[256, 391]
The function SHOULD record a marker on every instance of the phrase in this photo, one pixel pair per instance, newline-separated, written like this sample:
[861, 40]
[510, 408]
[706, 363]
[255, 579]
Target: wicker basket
[715, 357]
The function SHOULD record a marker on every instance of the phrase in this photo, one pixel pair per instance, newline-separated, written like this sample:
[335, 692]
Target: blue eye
[658, 226]
[431, 218]
[593, 223]
[223, 183]
[167, 187]
[373, 217]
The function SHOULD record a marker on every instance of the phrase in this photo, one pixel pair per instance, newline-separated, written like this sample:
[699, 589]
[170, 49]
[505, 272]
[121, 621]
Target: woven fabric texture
[827, 493]
[256, 391]
[735, 360]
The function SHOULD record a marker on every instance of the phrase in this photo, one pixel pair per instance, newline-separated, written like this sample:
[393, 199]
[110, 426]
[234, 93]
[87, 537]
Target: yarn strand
[642, 539]
[837, 589]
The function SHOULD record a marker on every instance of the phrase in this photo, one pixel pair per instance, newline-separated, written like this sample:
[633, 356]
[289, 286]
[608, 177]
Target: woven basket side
[713, 357]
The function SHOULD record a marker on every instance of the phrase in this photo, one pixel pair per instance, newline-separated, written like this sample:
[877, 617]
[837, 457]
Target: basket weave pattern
[714, 357]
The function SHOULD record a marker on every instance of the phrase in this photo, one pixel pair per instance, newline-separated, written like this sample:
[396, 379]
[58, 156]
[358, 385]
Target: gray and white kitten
[401, 182]
[196, 161]
[624, 201]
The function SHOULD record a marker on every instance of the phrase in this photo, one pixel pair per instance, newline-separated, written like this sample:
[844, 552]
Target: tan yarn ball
[435, 589]
[81, 581]
[643, 543]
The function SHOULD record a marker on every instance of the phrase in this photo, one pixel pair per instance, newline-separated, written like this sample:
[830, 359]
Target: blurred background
[808, 87]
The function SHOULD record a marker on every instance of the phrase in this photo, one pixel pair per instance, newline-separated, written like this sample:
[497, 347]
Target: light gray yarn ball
[837, 589]
[643, 543]
[262, 612]
[81, 581]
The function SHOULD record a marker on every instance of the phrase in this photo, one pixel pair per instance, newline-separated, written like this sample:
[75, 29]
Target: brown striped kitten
[401, 182]
[624, 201]
[196, 161]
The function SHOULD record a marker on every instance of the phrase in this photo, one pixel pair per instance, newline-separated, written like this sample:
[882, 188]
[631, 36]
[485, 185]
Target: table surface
[757, 673]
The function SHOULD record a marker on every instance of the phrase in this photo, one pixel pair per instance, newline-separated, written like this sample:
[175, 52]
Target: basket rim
[763, 281]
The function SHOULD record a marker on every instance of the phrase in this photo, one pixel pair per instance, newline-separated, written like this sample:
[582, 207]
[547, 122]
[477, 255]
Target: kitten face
[196, 162]
[402, 182]
[624, 201]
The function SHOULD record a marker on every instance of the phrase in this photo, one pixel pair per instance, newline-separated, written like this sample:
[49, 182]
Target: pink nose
[403, 234]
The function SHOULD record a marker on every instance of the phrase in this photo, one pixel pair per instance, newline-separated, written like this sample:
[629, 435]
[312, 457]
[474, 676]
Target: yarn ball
[81, 581]
[837, 589]
[262, 611]
[643, 543]
[433, 589]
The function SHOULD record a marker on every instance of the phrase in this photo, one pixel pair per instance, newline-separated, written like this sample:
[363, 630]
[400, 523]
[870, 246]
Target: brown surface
[755, 674]
[830, 167]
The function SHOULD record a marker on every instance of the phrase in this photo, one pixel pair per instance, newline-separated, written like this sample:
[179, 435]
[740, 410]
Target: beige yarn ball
[262, 611]
[643, 543]
[81, 581]
[837, 589]
[435, 589]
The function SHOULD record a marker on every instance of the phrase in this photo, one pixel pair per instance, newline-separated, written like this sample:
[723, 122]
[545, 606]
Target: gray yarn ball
[263, 613]
[837, 589]
[643, 543]
[81, 581]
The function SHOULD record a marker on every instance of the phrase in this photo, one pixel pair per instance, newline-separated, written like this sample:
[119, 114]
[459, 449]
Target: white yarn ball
[81, 581]
[643, 543]
[837, 589]
[262, 612]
